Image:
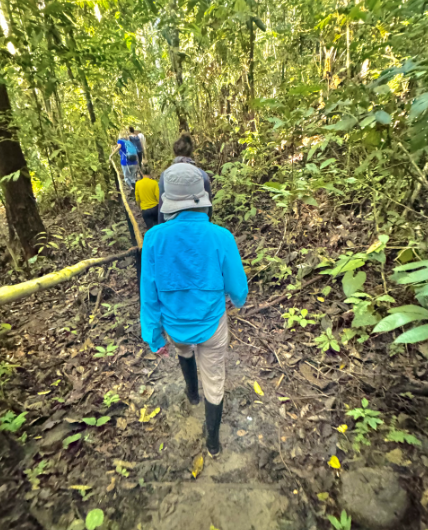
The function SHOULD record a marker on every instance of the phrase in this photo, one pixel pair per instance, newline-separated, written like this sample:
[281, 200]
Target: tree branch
[11, 293]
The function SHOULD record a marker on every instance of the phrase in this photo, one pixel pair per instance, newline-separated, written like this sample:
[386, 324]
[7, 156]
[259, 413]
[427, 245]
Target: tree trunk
[19, 196]
[251, 77]
[177, 67]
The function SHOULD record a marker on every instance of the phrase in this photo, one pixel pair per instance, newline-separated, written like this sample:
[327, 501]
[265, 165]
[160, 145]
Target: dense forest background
[338, 86]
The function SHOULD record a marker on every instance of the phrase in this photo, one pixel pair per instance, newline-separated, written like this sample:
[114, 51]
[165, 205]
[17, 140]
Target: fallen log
[11, 293]
[138, 236]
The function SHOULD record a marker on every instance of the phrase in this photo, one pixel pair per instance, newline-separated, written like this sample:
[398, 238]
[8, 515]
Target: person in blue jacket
[129, 162]
[189, 267]
[183, 150]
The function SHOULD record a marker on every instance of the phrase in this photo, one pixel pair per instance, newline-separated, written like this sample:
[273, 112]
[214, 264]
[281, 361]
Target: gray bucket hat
[184, 189]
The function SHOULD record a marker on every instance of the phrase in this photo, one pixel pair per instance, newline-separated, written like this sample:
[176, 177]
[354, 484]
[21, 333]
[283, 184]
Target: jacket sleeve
[235, 279]
[150, 314]
[161, 217]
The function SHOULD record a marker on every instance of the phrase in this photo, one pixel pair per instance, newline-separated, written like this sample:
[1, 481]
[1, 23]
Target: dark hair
[131, 129]
[146, 169]
[184, 145]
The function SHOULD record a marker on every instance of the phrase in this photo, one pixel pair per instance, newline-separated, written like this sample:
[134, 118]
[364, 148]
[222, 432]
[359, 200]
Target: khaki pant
[210, 358]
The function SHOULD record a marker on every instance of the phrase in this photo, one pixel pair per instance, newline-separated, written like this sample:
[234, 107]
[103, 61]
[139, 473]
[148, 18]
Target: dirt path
[239, 491]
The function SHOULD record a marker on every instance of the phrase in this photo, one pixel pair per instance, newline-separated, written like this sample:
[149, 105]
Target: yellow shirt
[147, 193]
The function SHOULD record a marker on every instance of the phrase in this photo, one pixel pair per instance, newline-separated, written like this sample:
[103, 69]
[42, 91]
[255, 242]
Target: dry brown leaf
[112, 485]
[128, 485]
[122, 463]
[122, 423]
[309, 375]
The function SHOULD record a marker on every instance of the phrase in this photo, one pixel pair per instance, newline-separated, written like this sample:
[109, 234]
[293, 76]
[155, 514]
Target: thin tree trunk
[22, 207]
[91, 110]
[348, 50]
[177, 66]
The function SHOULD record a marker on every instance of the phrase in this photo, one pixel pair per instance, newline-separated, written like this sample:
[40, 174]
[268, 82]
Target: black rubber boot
[213, 420]
[190, 373]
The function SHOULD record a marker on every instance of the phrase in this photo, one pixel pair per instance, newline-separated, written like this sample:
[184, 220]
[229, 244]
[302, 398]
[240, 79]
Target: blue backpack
[131, 152]
[137, 142]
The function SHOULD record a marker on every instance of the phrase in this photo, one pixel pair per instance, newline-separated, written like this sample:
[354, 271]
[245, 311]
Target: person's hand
[163, 352]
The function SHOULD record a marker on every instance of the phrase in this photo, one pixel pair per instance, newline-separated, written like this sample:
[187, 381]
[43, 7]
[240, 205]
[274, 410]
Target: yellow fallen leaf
[342, 366]
[320, 299]
[241, 432]
[259, 402]
[79, 487]
[374, 247]
[257, 389]
[43, 393]
[144, 417]
[342, 428]
[212, 527]
[323, 497]
[198, 466]
[334, 462]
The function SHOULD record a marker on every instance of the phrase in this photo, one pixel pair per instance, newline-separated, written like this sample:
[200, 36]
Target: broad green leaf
[309, 200]
[412, 266]
[94, 519]
[70, 439]
[383, 117]
[414, 309]
[327, 163]
[423, 291]
[330, 186]
[418, 106]
[274, 185]
[90, 421]
[345, 266]
[385, 298]
[414, 277]
[344, 125]
[414, 335]
[357, 14]
[352, 283]
[364, 315]
[368, 120]
[335, 522]
[406, 255]
[395, 321]
[102, 421]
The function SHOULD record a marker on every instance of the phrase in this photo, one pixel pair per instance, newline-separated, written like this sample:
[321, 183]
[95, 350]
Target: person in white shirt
[143, 143]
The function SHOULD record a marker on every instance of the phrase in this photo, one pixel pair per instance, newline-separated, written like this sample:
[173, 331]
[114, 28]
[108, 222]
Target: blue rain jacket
[188, 267]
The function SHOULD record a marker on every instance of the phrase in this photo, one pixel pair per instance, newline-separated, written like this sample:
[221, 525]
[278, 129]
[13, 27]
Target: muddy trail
[110, 427]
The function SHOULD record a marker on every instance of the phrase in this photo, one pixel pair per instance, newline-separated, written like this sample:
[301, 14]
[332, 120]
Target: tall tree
[20, 201]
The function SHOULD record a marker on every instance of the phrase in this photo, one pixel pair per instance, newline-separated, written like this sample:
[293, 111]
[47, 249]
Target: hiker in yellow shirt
[147, 196]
